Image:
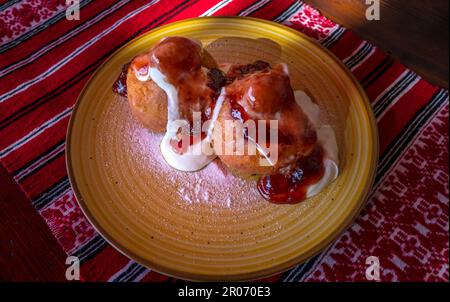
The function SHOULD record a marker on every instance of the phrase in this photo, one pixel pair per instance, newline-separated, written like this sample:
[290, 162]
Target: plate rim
[256, 274]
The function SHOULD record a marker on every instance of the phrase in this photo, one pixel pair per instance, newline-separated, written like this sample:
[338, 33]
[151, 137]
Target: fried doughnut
[148, 101]
[259, 92]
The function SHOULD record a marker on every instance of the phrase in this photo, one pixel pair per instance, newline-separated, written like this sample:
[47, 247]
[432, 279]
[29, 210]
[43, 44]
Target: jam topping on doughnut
[260, 92]
[120, 85]
[239, 71]
[216, 79]
[177, 58]
[292, 186]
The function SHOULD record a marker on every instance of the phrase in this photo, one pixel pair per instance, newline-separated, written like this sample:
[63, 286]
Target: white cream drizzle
[326, 137]
[195, 157]
[261, 151]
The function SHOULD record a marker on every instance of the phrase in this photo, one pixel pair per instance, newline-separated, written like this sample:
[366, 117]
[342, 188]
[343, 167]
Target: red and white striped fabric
[45, 60]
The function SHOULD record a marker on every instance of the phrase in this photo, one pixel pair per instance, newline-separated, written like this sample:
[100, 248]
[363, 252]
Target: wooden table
[414, 31]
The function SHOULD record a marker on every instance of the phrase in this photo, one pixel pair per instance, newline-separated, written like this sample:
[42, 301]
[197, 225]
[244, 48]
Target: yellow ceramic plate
[226, 232]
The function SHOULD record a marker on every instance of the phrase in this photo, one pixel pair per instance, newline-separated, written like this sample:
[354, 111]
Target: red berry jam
[293, 187]
[120, 85]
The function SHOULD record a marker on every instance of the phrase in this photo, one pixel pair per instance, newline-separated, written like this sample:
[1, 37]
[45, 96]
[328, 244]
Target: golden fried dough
[241, 165]
[148, 102]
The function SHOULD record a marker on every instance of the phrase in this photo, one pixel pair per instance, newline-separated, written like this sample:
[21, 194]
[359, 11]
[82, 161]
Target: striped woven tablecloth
[45, 60]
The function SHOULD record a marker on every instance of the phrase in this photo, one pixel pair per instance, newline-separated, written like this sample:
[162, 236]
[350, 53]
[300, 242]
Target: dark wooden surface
[415, 31]
[28, 250]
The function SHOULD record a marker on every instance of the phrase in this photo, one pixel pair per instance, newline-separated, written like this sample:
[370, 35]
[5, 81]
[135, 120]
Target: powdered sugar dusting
[213, 185]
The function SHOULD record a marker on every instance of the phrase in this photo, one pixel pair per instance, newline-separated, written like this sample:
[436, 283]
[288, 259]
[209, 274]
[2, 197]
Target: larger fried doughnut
[263, 93]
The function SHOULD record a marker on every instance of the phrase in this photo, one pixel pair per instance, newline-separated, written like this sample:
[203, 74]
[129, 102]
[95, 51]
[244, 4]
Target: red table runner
[45, 60]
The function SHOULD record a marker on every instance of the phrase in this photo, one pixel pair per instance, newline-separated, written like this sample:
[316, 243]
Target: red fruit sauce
[120, 85]
[292, 187]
